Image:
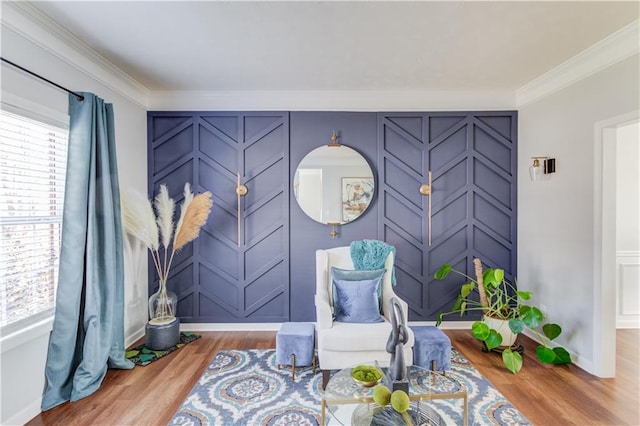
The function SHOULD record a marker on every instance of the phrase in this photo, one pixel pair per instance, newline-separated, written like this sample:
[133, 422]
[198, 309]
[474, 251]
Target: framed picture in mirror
[357, 193]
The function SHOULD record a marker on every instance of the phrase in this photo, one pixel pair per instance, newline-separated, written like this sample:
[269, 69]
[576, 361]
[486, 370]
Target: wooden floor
[547, 395]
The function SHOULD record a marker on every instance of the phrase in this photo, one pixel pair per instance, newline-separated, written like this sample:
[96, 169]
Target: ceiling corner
[31, 24]
[609, 51]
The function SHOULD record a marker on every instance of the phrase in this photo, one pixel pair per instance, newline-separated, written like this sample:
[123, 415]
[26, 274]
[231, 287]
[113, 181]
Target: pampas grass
[154, 229]
[195, 216]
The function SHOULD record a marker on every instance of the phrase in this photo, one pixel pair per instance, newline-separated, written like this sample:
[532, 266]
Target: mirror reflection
[334, 184]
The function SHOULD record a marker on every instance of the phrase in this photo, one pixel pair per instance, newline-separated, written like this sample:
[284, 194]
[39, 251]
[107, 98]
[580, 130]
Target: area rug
[143, 355]
[247, 388]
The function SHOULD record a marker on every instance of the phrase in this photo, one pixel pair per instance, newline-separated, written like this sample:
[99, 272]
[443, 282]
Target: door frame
[604, 247]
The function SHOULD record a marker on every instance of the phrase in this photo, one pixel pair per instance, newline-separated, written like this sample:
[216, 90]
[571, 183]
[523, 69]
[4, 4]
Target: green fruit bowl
[366, 375]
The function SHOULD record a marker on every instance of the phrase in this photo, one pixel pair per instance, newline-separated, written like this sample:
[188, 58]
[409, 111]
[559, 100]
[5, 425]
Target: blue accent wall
[271, 276]
[472, 157]
[310, 130]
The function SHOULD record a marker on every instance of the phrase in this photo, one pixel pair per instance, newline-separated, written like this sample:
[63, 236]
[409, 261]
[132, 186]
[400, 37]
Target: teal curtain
[88, 327]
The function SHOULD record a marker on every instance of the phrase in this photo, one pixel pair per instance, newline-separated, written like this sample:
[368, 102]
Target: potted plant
[164, 238]
[505, 315]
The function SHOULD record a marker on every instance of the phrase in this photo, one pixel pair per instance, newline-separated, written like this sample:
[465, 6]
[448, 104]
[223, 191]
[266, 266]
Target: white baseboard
[578, 360]
[446, 325]
[25, 415]
[195, 326]
[275, 326]
[628, 323]
[131, 339]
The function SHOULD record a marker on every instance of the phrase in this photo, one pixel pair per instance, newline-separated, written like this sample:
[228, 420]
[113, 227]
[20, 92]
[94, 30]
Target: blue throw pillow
[357, 275]
[357, 300]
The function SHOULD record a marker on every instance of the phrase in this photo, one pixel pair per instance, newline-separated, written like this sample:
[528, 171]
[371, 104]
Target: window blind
[33, 158]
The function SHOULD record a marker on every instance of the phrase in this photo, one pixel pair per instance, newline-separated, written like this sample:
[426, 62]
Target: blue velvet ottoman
[432, 348]
[295, 343]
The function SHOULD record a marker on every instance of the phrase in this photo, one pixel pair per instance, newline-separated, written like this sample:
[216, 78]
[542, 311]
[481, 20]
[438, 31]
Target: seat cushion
[350, 337]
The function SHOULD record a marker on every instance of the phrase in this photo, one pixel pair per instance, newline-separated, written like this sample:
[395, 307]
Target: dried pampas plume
[188, 198]
[195, 216]
[164, 209]
[141, 222]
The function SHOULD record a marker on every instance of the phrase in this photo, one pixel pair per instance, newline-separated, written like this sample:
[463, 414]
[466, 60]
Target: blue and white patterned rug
[246, 388]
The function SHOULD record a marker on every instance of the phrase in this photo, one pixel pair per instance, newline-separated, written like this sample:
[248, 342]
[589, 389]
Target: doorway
[604, 339]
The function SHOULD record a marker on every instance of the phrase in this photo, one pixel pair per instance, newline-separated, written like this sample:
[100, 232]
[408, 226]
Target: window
[33, 157]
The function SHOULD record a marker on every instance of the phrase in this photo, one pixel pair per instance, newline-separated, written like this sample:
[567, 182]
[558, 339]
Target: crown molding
[33, 25]
[309, 100]
[609, 51]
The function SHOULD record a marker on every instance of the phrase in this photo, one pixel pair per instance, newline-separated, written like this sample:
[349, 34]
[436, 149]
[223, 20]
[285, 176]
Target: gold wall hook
[334, 139]
[425, 189]
[334, 229]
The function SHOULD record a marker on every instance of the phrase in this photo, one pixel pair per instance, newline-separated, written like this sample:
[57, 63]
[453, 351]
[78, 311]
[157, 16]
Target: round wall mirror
[334, 184]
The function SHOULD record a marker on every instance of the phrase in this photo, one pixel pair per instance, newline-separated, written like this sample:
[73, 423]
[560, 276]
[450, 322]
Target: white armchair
[343, 344]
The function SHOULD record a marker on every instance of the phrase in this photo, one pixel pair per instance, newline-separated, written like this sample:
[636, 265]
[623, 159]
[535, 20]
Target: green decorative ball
[400, 401]
[381, 395]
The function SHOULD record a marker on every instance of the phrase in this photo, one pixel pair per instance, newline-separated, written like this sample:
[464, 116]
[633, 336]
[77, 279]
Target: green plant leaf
[443, 272]
[512, 360]
[524, 295]
[533, 317]
[439, 320]
[456, 306]
[480, 330]
[524, 310]
[493, 340]
[466, 289]
[551, 330]
[516, 325]
[499, 274]
[489, 278]
[562, 356]
[545, 354]
[463, 307]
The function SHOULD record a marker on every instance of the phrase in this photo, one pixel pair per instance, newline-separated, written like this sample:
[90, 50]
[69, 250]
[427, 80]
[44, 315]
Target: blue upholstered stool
[432, 348]
[295, 345]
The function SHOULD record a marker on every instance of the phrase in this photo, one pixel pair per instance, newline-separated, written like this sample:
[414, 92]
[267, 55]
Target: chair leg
[325, 378]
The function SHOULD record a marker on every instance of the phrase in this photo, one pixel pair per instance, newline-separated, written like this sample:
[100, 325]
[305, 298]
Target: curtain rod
[77, 95]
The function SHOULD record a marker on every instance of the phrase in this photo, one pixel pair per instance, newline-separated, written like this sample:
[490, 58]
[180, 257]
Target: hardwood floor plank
[546, 395]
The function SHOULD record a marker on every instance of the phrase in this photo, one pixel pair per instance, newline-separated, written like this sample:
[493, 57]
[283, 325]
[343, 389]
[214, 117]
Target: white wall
[556, 216]
[22, 360]
[628, 226]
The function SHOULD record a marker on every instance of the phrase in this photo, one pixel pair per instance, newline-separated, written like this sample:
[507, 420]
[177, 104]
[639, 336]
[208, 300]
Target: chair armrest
[324, 319]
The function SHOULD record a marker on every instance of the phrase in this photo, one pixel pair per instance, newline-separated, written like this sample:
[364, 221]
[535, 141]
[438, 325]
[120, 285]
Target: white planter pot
[502, 327]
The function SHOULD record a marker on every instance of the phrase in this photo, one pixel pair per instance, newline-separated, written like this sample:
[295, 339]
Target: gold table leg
[466, 410]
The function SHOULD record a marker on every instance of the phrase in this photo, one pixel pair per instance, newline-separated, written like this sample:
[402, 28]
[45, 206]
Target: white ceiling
[208, 46]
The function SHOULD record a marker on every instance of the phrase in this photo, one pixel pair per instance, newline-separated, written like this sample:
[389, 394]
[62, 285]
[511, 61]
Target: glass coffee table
[348, 403]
